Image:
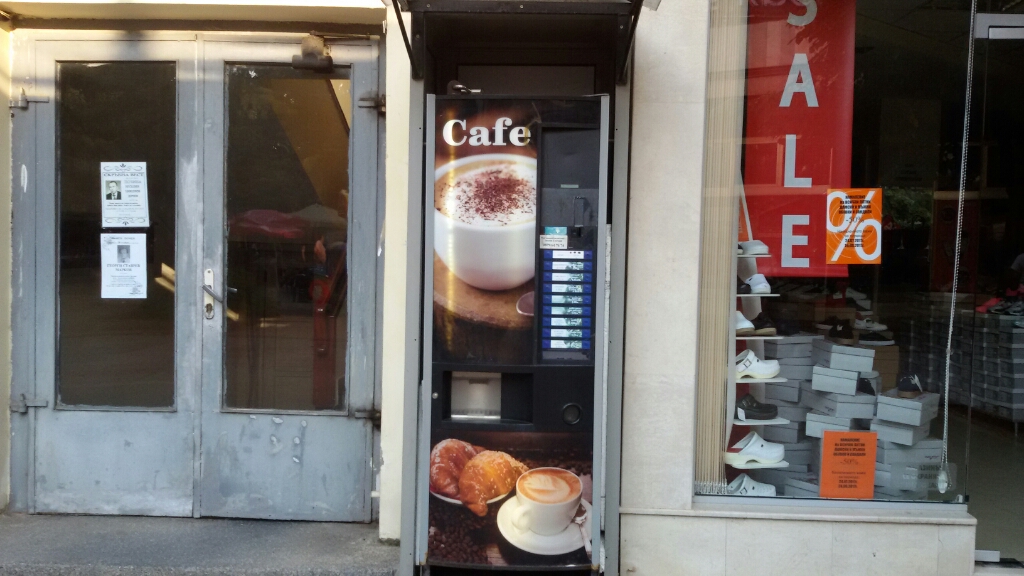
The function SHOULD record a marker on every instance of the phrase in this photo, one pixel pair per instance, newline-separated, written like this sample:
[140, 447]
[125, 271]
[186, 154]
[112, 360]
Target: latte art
[549, 486]
[491, 194]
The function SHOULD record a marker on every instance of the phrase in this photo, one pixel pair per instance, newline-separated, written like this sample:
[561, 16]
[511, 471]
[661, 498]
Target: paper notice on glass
[123, 261]
[124, 194]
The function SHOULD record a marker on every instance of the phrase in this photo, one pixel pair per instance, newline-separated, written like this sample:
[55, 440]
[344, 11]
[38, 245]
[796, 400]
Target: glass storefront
[855, 197]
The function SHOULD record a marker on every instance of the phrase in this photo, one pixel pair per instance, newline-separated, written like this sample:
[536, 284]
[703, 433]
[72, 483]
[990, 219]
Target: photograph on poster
[124, 195]
[123, 265]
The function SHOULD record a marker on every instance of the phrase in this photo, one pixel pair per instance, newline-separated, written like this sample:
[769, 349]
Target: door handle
[210, 295]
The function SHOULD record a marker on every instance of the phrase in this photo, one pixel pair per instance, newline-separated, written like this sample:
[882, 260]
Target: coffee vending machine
[510, 472]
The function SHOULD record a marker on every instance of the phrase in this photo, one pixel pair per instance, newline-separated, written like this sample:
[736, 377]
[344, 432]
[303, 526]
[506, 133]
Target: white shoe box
[841, 405]
[800, 453]
[818, 423]
[792, 411]
[777, 477]
[801, 371]
[831, 380]
[784, 433]
[832, 355]
[927, 451]
[899, 433]
[900, 477]
[785, 391]
[910, 411]
[885, 493]
[774, 349]
[802, 487]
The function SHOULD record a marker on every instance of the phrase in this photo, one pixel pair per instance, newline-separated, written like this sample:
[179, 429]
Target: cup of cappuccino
[548, 499]
[485, 219]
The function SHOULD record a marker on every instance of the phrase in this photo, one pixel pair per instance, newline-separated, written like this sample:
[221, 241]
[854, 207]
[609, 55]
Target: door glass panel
[115, 351]
[287, 237]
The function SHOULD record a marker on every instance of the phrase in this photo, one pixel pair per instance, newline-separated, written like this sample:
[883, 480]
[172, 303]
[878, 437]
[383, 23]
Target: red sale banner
[799, 128]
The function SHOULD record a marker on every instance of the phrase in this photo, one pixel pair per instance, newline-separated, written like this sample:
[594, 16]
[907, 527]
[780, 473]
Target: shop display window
[845, 124]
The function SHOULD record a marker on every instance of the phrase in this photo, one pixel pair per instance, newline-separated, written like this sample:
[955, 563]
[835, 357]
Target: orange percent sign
[854, 226]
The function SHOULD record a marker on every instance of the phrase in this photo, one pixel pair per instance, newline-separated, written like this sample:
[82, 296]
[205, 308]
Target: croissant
[488, 475]
[447, 459]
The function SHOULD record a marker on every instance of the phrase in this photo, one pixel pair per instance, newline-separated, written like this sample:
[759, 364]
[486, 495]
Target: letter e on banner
[854, 223]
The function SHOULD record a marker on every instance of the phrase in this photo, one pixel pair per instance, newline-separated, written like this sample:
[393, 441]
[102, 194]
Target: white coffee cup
[547, 499]
[490, 257]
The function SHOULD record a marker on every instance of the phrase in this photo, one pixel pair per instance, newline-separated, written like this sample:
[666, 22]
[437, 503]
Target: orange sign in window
[848, 464]
[854, 234]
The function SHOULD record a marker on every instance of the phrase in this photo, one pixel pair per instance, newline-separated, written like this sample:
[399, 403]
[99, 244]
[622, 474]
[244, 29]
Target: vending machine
[510, 471]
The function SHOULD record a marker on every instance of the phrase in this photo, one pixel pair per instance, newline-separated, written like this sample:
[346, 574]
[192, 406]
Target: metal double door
[242, 383]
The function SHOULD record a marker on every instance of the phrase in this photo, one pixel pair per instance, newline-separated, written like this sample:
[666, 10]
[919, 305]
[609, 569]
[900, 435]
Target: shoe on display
[785, 327]
[864, 386]
[863, 307]
[1016, 310]
[869, 325]
[759, 284]
[753, 449]
[909, 386]
[827, 323]
[754, 248]
[875, 339]
[742, 287]
[763, 325]
[744, 485]
[836, 299]
[1001, 307]
[748, 365]
[988, 304]
[748, 408]
[744, 327]
[842, 333]
[855, 294]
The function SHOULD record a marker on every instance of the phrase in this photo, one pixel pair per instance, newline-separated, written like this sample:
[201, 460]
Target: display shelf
[756, 466]
[759, 337]
[757, 295]
[772, 422]
[761, 380]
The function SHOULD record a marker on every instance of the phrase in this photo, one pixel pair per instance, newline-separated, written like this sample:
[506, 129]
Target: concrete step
[127, 546]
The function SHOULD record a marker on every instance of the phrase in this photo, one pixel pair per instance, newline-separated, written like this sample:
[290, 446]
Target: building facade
[217, 263]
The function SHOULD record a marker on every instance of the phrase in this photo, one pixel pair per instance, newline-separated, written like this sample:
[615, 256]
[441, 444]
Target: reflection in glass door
[991, 393]
[290, 234]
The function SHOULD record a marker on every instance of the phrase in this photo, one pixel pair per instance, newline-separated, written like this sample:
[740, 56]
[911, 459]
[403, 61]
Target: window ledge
[823, 511]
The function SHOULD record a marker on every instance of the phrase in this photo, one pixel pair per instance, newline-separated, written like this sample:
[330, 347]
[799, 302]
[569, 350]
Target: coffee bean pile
[459, 536]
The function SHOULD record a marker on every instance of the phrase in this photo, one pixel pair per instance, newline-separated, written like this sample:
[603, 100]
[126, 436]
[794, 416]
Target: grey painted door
[117, 434]
[290, 220]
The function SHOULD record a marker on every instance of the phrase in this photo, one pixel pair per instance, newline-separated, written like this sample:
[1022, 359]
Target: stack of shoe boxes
[907, 459]
[832, 393]
[794, 356]
[987, 364]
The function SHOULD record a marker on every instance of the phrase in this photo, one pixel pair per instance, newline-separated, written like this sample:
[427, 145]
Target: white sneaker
[869, 325]
[750, 366]
[754, 449]
[856, 294]
[754, 248]
[759, 284]
[744, 327]
[744, 485]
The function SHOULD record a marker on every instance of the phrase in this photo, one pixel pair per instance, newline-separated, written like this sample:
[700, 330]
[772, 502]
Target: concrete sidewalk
[121, 545]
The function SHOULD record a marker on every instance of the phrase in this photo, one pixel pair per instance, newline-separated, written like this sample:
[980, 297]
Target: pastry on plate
[488, 475]
[447, 459]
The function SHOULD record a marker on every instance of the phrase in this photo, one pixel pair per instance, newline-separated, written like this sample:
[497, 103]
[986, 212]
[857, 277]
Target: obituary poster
[848, 464]
[123, 264]
[124, 195]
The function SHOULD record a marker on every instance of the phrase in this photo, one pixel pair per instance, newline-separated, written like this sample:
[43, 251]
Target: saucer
[564, 542]
[459, 502]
